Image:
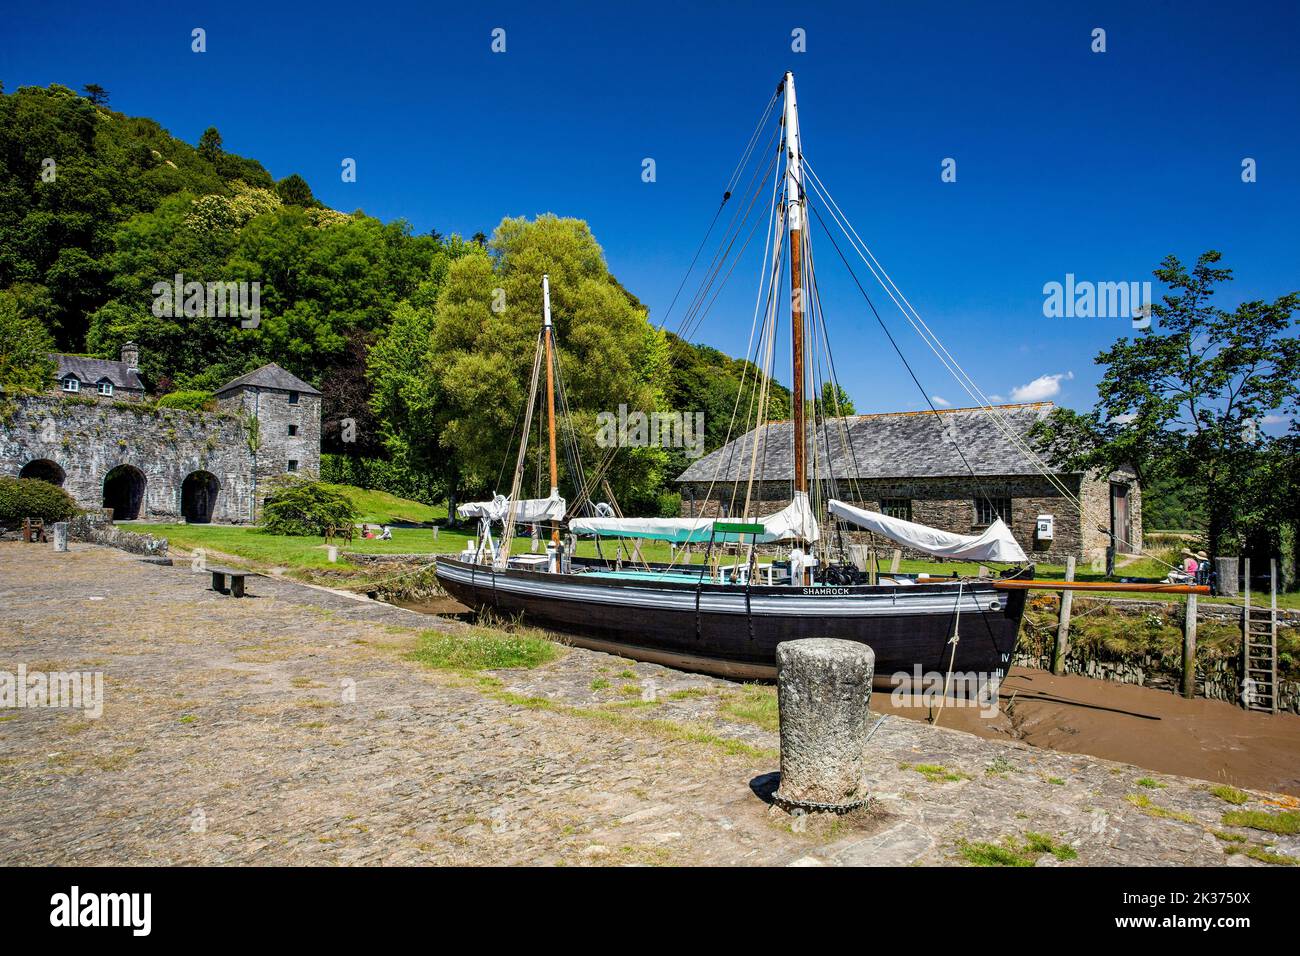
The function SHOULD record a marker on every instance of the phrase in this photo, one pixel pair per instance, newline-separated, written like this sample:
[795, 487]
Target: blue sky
[1068, 161]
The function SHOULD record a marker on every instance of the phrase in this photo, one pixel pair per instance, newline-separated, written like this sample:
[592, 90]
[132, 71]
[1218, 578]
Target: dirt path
[290, 727]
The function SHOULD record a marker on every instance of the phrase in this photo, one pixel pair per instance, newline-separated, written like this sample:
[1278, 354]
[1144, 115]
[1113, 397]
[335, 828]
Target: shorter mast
[548, 332]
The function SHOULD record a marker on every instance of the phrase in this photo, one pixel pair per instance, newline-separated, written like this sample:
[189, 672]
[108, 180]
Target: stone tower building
[288, 415]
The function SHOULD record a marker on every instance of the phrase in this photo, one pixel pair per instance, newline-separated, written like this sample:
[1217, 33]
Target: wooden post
[1272, 631]
[1063, 626]
[1245, 626]
[1189, 649]
[894, 561]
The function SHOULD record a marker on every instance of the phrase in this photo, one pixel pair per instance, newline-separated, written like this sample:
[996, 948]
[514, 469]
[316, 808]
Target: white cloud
[940, 401]
[1275, 419]
[1041, 388]
[1125, 418]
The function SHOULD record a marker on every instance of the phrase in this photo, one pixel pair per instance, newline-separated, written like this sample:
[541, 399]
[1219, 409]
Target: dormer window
[72, 384]
[293, 398]
[105, 386]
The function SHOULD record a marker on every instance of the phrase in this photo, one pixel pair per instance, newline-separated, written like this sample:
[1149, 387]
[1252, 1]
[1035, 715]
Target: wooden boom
[1017, 584]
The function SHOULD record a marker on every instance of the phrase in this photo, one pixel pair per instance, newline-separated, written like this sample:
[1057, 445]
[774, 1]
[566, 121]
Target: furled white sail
[527, 510]
[995, 544]
[795, 522]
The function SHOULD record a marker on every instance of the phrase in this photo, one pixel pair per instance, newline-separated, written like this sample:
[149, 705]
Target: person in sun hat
[1202, 568]
[1190, 564]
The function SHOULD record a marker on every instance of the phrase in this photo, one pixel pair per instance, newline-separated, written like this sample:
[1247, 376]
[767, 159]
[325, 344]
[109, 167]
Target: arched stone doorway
[42, 469]
[124, 492]
[199, 493]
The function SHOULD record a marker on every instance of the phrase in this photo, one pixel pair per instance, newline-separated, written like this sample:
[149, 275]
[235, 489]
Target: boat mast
[794, 222]
[548, 332]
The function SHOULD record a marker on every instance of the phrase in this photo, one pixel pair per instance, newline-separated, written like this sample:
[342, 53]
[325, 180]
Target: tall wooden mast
[794, 222]
[548, 332]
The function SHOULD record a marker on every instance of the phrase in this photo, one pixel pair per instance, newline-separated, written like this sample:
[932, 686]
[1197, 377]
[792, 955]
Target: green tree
[835, 401]
[460, 396]
[96, 94]
[293, 189]
[210, 145]
[1184, 399]
[25, 346]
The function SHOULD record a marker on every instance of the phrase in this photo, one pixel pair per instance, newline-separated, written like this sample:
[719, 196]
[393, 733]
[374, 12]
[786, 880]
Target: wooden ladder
[1259, 647]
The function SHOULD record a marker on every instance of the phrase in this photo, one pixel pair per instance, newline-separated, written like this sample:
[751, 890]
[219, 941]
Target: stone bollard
[332, 553]
[60, 536]
[823, 692]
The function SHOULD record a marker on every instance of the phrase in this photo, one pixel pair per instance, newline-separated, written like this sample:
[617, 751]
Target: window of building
[989, 510]
[293, 430]
[71, 384]
[105, 387]
[896, 508]
[293, 464]
[293, 398]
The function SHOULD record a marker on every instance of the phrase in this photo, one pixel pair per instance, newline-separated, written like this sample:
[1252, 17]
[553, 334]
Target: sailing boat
[729, 619]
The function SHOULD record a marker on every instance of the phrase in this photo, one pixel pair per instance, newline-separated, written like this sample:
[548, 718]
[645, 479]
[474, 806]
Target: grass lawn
[379, 507]
[272, 550]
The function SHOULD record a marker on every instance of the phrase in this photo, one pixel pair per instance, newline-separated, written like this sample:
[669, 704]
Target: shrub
[191, 401]
[31, 498]
[303, 506]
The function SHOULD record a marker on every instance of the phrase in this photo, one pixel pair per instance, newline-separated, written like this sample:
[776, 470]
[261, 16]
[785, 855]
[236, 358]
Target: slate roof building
[101, 378]
[957, 470]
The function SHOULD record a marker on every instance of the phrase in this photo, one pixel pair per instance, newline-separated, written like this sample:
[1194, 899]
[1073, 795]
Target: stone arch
[124, 492]
[42, 469]
[199, 493]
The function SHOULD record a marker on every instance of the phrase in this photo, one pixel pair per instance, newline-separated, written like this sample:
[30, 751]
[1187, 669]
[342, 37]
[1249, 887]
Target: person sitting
[386, 534]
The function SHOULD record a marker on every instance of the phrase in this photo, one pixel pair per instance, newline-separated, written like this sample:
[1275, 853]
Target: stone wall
[1157, 664]
[87, 440]
[81, 441]
[1095, 499]
[96, 530]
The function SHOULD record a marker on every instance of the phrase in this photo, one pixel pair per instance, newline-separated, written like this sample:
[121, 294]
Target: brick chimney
[131, 355]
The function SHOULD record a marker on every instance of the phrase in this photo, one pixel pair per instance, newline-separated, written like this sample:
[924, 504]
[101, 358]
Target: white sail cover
[995, 544]
[527, 510]
[795, 522]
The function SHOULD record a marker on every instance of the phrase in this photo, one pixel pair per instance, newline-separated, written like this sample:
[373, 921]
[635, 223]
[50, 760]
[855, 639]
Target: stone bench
[236, 576]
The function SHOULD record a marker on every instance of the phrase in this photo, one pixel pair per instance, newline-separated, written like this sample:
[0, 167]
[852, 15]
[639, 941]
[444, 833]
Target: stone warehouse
[98, 437]
[910, 465]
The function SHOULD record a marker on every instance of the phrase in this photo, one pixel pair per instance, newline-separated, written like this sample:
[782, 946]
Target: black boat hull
[733, 631]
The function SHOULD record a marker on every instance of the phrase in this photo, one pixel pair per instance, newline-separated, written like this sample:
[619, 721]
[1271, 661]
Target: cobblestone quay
[292, 727]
